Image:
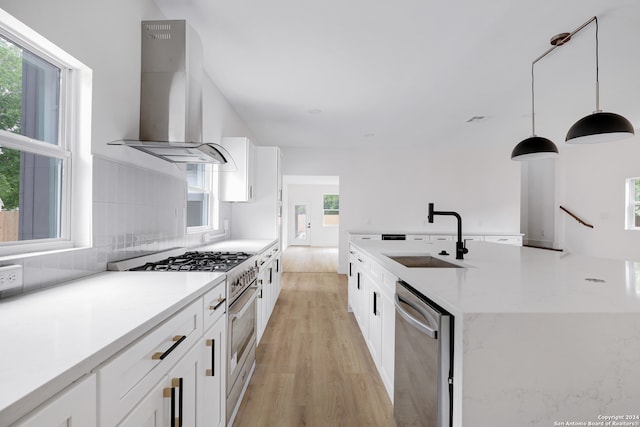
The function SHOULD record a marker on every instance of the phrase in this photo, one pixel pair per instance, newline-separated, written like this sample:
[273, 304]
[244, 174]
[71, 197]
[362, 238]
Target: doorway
[300, 232]
[319, 195]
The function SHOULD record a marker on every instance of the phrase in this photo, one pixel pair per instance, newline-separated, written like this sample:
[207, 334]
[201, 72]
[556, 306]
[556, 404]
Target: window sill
[11, 254]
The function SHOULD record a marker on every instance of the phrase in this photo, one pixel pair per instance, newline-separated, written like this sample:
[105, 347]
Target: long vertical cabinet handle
[171, 392]
[375, 303]
[176, 383]
[350, 265]
[212, 372]
[358, 283]
[270, 274]
[278, 265]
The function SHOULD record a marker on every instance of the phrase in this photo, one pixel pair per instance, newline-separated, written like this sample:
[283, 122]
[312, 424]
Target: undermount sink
[422, 261]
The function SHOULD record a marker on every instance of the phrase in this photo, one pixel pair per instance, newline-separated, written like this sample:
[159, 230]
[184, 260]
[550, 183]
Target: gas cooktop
[197, 261]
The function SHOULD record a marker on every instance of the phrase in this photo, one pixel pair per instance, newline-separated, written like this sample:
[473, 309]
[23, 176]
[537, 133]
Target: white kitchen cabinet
[387, 311]
[372, 290]
[269, 280]
[261, 219]
[261, 307]
[365, 236]
[127, 379]
[352, 285]
[355, 296]
[442, 237]
[237, 176]
[422, 237]
[506, 240]
[75, 406]
[277, 276]
[173, 401]
[374, 316]
[214, 347]
[362, 304]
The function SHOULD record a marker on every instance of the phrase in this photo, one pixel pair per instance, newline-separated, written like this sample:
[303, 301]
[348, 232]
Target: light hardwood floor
[313, 367]
[310, 259]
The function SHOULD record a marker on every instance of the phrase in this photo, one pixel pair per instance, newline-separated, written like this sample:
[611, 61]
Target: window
[45, 97]
[202, 203]
[330, 210]
[633, 204]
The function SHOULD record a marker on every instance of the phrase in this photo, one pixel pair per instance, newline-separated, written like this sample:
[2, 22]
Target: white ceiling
[407, 73]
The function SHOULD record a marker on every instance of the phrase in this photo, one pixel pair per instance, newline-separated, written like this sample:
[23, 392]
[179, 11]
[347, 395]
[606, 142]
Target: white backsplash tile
[135, 211]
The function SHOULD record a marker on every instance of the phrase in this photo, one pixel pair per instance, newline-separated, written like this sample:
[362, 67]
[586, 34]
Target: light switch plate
[10, 277]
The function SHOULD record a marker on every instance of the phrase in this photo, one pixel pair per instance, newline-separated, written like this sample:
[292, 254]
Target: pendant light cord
[551, 49]
[595, 18]
[533, 104]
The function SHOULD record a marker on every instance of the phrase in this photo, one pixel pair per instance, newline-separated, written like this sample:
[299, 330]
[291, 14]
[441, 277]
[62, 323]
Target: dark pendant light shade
[534, 148]
[599, 127]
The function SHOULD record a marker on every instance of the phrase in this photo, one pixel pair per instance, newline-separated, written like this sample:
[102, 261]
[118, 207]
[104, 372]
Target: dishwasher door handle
[425, 329]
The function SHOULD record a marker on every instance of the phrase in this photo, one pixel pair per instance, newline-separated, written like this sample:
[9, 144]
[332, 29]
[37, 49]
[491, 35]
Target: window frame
[630, 204]
[211, 180]
[325, 210]
[74, 128]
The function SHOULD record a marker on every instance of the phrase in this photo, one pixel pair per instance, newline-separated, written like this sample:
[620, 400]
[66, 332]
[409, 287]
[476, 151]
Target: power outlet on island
[10, 277]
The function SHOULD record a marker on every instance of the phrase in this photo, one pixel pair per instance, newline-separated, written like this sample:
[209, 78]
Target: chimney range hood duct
[171, 96]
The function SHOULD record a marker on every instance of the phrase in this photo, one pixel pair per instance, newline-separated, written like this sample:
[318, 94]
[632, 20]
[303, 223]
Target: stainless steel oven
[423, 385]
[241, 348]
[241, 332]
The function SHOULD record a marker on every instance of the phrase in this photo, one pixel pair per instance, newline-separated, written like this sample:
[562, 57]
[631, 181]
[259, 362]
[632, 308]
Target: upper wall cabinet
[237, 177]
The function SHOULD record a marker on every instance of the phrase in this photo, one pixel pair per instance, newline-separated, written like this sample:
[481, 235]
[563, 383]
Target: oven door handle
[244, 302]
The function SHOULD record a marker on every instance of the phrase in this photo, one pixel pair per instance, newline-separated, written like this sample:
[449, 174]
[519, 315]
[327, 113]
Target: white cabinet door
[506, 240]
[153, 411]
[261, 307]
[387, 344]
[374, 313]
[352, 292]
[363, 304]
[273, 292]
[74, 407]
[277, 276]
[125, 380]
[237, 176]
[173, 401]
[214, 375]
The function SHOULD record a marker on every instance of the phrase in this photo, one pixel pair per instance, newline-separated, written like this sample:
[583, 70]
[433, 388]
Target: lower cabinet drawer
[125, 380]
[507, 240]
[73, 407]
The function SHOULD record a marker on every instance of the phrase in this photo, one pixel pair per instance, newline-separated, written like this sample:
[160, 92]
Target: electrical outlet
[10, 277]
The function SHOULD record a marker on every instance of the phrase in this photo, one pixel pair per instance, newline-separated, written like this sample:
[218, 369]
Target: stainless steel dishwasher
[423, 383]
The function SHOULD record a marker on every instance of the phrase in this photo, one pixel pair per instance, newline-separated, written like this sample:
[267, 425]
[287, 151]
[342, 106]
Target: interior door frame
[292, 221]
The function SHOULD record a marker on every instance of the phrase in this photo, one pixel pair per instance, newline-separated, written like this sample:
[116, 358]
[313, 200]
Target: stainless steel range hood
[171, 96]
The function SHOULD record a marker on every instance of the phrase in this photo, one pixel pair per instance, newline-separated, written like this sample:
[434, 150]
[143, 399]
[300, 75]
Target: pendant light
[599, 126]
[535, 147]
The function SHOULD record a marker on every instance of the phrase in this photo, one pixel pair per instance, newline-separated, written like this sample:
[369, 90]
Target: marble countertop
[434, 233]
[510, 279]
[57, 335]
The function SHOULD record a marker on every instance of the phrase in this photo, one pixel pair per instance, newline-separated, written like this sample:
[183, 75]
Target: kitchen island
[542, 338]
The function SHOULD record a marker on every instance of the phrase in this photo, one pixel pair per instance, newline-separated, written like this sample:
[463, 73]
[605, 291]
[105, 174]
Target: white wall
[313, 193]
[389, 189]
[105, 36]
[539, 208]
[593, 180]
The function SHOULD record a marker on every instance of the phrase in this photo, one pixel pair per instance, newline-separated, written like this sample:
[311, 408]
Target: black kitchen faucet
[460, 246]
